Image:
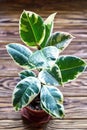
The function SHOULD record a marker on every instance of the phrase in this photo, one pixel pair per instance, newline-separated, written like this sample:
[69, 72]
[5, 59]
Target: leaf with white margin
[26, 73]
[60, 39]
[71, 67]
[20, 54]
[51, 76]
[44, 58]
[48, 28]
[25, 91]
[52, 101]
[31, 28]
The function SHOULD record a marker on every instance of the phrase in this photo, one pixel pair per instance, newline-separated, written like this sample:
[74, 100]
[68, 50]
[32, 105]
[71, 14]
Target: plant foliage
[53, 70]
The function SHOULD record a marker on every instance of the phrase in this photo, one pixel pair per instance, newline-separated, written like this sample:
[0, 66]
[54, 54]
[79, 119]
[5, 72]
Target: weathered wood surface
[71, 17]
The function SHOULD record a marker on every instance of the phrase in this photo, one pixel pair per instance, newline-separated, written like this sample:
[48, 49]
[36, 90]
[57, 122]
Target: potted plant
[37, 94]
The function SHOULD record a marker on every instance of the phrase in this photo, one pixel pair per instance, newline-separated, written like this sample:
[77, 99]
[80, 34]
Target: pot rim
[34, 110]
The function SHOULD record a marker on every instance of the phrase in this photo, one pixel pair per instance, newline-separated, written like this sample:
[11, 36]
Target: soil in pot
[34, 115]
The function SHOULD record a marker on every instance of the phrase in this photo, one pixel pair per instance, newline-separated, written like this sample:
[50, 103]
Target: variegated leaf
[52, 101]
[60, 39]
[32, 29]
[44, 58]
[48, 28]
[26, 73]
[71, 67]
[25, 91]
[20, 54]
[51, 76]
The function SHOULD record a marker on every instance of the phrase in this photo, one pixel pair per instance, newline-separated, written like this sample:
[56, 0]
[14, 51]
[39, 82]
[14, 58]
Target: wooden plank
[75, 108]
[75, 48]
[6, 15]
[8, 28]
[73, 43]
[44, 5]
[64, 18]
[16, 39]
[67, 124]
[53, 124]
[61, 19]
[15, 125]
[8, 68]
[11, 34]
[13, 30]
[75, 88]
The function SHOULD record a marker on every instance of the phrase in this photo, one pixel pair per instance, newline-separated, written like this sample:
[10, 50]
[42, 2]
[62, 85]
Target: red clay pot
[35, 117]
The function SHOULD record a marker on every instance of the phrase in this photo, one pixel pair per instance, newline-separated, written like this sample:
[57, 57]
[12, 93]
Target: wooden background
[72, 18]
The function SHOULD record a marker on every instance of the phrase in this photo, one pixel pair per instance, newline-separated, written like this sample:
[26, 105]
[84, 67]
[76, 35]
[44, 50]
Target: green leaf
[26, 73]
[71, 67]
[48, 27]
[39, 59]
[51, 76]
[32, 29]
[60, 39]
[20, 54]
[44, 58]
[25, 91]
[52, 101]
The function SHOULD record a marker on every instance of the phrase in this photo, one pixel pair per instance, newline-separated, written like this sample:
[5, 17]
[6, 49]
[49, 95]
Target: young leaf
[51, 76]
[48, 28]
[44, 58]
[71, 67]
[20, 54]
[52, 101]
[60, 39]
[32, 29]
[25, 91]
[26, 73]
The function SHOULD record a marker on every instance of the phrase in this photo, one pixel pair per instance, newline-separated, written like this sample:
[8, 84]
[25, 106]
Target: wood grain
[75, 107]
[15, 125]
[67, 124]
[72, 18]
[9, 68]
[75, 88]
[53, 124]
[81, 52]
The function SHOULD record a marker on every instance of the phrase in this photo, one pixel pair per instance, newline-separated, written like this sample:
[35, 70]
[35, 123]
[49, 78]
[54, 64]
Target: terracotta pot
[35, 117]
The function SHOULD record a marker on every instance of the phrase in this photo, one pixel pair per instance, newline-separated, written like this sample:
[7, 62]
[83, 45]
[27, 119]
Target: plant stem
[38, 47]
